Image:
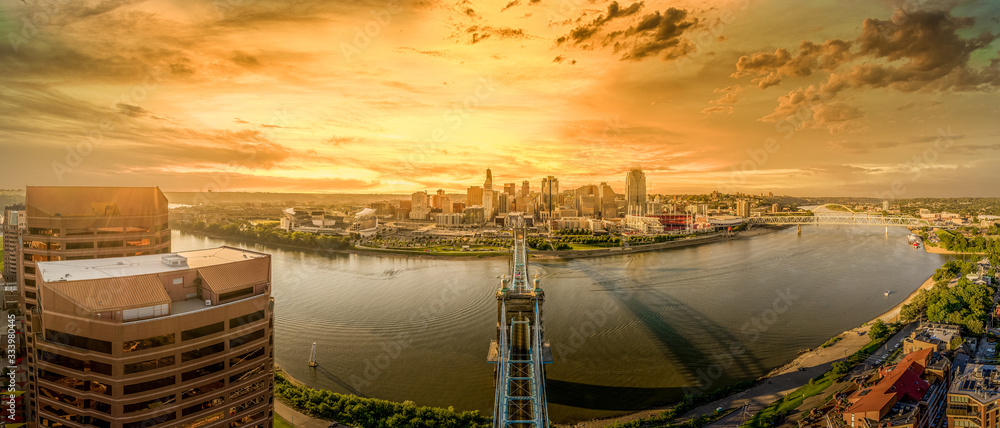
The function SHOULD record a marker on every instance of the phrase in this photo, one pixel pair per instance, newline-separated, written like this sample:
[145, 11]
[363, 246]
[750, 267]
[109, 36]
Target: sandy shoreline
[815, 362]
[939, 250]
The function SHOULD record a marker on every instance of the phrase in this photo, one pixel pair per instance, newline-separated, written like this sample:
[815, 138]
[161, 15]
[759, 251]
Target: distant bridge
[853, 219]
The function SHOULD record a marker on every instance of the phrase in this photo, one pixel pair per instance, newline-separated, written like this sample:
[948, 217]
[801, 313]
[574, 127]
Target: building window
[234, 294]
[202, 331]
[248, 356]
[246, 319]
[247, 419]
[206, 420]
[73, 363]
[60, 414]
[42, 231]
[202, 352]
[148, 343]
[246, 390]
[80, 385]
[80, 403]
[203, 371]
[149, 385]
[146, 312]
[149, 404]
[240, 377]
[236, 409]
[137, 243]
[201, 406]
[246, 338]
[152, 421]
[153, 364]
[208, 387]
[109, 244]
[79, 245]
[78, 341]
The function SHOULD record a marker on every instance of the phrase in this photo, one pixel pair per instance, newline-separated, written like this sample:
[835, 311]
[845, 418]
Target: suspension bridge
[519, 351]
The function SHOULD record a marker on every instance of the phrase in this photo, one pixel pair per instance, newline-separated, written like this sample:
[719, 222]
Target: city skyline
[873, 99]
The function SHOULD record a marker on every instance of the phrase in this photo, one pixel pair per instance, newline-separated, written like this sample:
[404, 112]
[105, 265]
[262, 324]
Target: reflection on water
[627, 332]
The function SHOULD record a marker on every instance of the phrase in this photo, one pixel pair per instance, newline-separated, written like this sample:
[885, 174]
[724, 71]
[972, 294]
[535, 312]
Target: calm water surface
[628, 332]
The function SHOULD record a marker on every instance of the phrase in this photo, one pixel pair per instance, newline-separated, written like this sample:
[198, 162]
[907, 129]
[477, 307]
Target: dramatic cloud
[479, 34]
[373, 96]
[809, 109]
[914, 50]
[933, 55]
[659, 33]
[730, 94]
[717, 109]
[770, 67]
[651, 35]
[724, 103]
[586, 31]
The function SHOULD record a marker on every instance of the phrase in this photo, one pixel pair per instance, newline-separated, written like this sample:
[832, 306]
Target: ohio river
[627, 332]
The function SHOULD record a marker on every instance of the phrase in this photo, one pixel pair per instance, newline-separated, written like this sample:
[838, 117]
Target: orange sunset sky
[803, 98]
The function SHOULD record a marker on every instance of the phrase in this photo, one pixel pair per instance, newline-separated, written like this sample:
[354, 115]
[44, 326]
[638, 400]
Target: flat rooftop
[117, 267]
[980, 381]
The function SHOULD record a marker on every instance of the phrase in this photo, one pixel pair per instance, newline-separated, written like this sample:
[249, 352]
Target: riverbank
[779, 381]
[351, 250]
[290, 414]
[352, 410]
[617, 251]
[564, 254]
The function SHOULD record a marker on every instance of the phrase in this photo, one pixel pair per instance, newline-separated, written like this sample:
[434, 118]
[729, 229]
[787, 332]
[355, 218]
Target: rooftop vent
[174, 260]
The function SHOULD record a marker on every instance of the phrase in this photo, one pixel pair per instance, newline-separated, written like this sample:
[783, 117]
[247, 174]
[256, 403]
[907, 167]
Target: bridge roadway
[519, 351]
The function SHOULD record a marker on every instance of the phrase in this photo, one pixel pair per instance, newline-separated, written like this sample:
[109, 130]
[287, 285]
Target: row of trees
[959, 243]
[642, 240]
[993, 229]
[267, 234]
[372, 413]
[598, 241]
[578, 231]
[966, 304]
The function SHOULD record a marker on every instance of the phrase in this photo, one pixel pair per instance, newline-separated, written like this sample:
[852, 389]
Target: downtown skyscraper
[635, 191]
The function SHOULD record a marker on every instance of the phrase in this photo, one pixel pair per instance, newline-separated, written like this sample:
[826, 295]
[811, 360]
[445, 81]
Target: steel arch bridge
[845, 207]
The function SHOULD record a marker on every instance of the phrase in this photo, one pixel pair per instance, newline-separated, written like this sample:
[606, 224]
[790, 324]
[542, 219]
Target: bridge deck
[519, 350]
